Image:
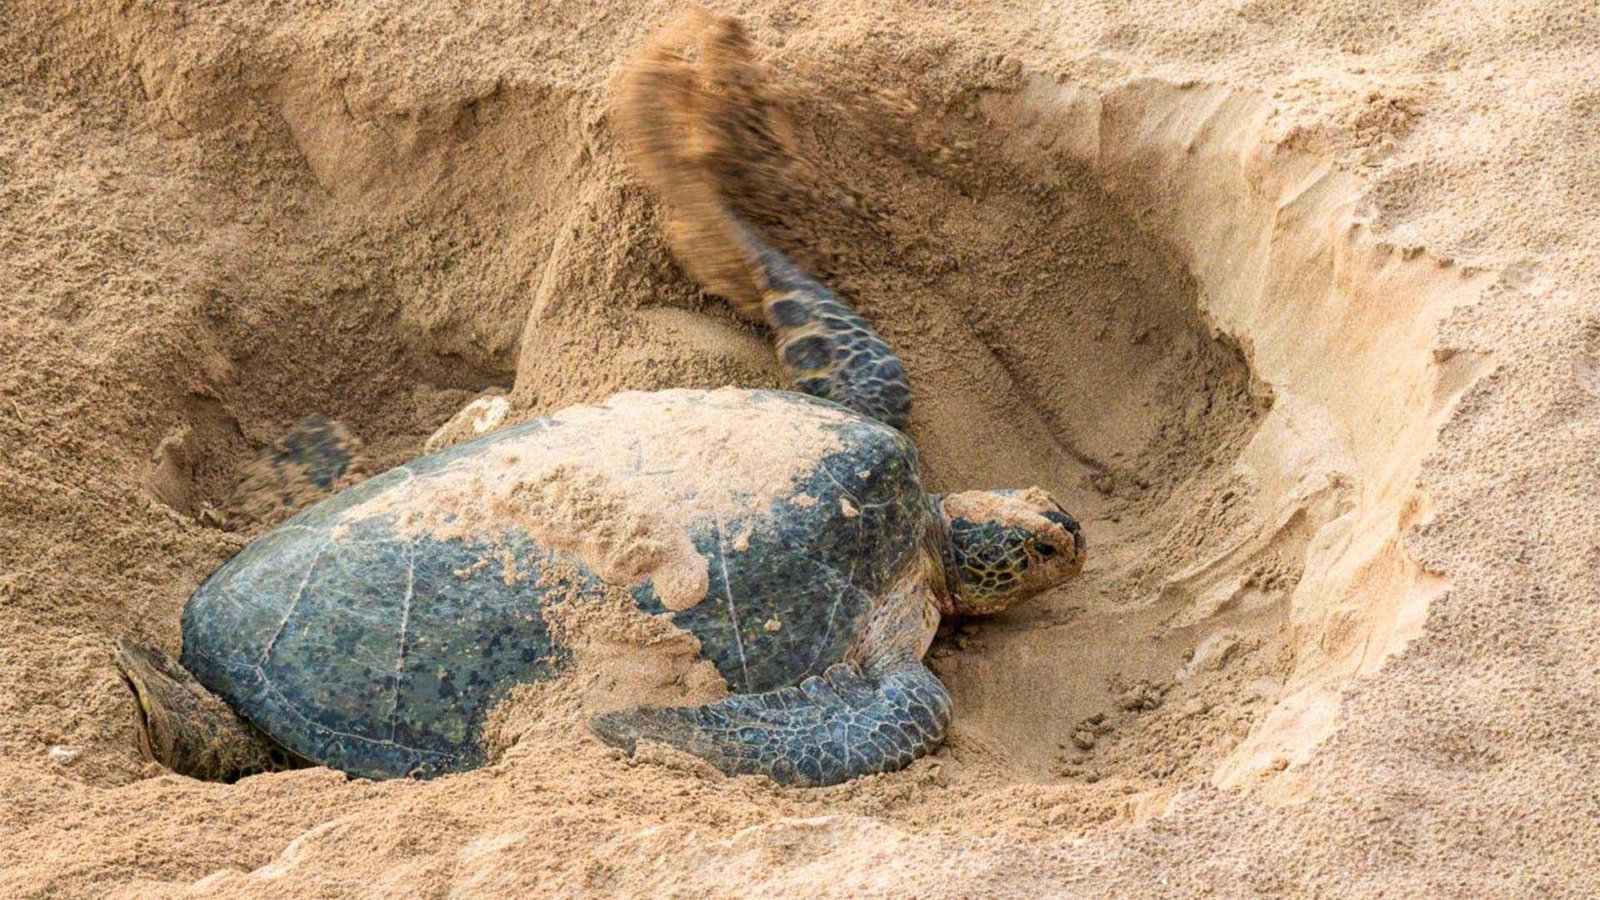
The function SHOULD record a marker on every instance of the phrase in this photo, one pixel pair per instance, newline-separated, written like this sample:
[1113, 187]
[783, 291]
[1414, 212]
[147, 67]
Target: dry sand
[1294, 303]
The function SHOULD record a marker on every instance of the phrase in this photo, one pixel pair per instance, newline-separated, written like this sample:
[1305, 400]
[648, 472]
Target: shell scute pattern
[430, 635]
[814, 567]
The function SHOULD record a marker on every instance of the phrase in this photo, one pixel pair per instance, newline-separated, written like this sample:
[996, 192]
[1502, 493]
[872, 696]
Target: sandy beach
[1295, 304]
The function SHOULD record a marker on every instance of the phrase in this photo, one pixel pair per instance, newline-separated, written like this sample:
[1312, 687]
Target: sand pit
[1281, 553]
[1293, 310]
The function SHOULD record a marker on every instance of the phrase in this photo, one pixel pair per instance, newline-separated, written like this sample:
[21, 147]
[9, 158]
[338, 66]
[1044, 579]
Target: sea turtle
[788, 533]
[791, 536]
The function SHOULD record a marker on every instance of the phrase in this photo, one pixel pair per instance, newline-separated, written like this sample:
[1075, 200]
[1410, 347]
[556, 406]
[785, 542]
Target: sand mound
[1197, 309]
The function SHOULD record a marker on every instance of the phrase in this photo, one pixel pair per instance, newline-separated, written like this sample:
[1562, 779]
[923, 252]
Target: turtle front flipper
[186, 728]
[700, 131]
[827, 349]
[828, 729]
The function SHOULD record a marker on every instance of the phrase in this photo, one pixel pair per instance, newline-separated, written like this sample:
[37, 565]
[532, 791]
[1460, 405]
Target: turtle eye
[1045, 550]
[1063, 519]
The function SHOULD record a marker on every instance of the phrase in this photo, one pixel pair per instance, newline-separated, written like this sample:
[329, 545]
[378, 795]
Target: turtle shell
[375, 631]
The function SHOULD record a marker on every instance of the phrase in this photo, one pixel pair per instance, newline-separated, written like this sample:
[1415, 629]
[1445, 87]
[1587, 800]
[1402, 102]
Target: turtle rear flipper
[186, 728]
[826, 730]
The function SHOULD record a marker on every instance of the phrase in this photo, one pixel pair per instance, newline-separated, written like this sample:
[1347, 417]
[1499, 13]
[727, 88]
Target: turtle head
[1007, 545]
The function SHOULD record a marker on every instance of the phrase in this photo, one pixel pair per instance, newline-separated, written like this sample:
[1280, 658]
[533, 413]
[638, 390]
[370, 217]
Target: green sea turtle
[791, 536]
[788, 532]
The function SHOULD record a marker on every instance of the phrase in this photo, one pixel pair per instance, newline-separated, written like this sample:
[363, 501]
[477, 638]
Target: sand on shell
[619, 485]
[1292, 303]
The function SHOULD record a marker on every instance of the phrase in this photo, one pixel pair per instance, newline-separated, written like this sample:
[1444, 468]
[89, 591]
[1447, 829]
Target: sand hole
[1142, 300]
[283, 337]
[1166, 315]
[1147, 302]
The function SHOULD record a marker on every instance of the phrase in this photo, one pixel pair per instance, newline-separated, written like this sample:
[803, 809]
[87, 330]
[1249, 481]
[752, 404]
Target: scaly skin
[705, 132]
[876, 711]
[850, 721]
[827, 349]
